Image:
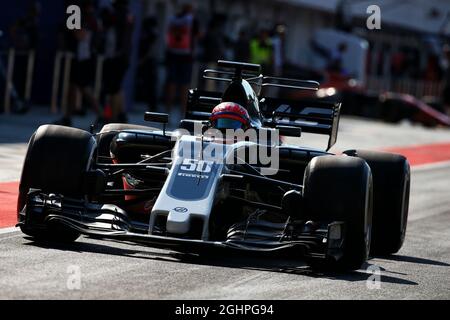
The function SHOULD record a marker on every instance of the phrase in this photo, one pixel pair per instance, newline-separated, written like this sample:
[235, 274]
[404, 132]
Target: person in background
[25, 31]
[81, 44]
[433, 71]
[214, 46]
[334, 57]
[335, 62]
[278, 48]
[213, 43]
[261, 51]
[117, 31]
[24, 35]
[148, 65]
[242, 48]
[398, 62]
[180, 40]
[446, 90]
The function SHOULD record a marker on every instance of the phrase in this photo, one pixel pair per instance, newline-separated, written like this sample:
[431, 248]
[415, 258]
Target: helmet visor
[225, 123]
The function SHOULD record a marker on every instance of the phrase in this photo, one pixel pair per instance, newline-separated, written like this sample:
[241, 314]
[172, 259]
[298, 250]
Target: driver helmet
[229, 115]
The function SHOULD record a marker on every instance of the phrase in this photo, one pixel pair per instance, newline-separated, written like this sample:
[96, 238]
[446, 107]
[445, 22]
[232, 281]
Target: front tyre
[339, 188]
[56, 162]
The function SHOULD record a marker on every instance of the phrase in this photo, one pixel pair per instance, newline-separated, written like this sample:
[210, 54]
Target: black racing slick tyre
[339, 188]
[391, 182]
[56, 161]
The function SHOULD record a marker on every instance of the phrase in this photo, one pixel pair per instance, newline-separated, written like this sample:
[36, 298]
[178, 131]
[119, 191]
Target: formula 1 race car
[222, 181]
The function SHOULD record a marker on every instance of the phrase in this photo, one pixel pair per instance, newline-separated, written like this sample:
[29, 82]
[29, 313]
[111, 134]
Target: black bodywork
[257, 214]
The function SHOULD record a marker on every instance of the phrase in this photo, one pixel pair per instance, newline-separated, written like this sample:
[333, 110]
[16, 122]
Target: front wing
[106, 221]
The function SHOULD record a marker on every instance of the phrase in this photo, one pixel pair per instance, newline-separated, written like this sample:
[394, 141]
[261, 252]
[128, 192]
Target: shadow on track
[248, 262]
[402, 258]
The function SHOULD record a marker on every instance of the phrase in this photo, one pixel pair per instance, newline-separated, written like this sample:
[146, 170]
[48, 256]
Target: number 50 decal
[196, 165]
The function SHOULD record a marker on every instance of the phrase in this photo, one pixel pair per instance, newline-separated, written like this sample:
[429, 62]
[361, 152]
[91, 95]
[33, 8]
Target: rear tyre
[339, 188]
[56, 161]
[391, 181]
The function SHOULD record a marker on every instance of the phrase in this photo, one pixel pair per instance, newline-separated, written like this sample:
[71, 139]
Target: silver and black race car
[196, 189]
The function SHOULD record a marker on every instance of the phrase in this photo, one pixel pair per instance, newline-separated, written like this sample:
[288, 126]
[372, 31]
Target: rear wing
[231, 70]
[310, 116]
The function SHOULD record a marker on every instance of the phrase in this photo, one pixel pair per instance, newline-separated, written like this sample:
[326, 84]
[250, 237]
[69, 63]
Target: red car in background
[388, 106]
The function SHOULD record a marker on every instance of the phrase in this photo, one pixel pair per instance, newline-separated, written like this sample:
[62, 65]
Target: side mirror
[232, 178]
[292, 203]
[156, 117]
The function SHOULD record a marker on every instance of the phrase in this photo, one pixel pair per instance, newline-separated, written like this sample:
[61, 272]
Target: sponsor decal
[180, 209]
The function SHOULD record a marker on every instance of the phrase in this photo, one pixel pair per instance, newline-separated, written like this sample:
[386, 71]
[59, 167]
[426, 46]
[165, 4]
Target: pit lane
[111, 270]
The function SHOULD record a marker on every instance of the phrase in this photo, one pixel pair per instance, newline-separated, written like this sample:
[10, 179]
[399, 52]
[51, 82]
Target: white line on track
[9, 230]
[12, 237]
[434, 165]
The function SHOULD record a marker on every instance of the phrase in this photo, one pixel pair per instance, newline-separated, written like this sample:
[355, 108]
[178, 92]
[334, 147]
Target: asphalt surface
[112, 270]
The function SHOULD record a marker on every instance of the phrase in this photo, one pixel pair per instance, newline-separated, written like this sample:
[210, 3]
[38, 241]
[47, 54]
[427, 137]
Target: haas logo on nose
[180, 209]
